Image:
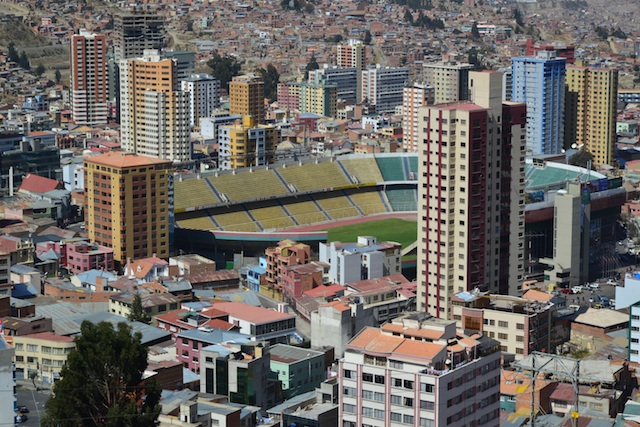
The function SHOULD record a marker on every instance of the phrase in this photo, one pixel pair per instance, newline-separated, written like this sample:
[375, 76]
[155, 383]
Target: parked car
[565, 291]
[22, 418]
[595, 286]
[23, 409]
[576, 289]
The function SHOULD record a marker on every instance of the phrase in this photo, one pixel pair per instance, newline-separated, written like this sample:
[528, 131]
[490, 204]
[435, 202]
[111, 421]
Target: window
[503, 324]
[396, 417]
[32, 347]
[349, 409]
[349, 374]
[408, 384]
[379, 379]
[408, 402]
[425, 422]
[407, 419]
[396, 400]
[367, 377]
[396, 382]
[426, 405]
[427, 388]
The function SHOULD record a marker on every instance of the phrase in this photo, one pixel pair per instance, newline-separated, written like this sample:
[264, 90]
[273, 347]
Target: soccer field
[395, 230]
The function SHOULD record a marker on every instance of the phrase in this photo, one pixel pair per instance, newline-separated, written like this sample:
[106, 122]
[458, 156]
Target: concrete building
[88, 78]
[450, 80]
[8, 404]
[539, 82]
[44, 353]
[520, 325]
[190, 343]
[382, 87]
[137, 31]
[471, 188]
[209, 126]
[352, 55]
[590, 111]
[137, 224]
[246, 144]
[204, 96]
[345, 78]
[84, 256]
[286, 253]
[418, 371]
[300, 370]
[154, 114]
[318, 98]
[634, 334]
[240, 371]
[364, 259]
[572, 215]
[246, 97]
[413, 97]
[259, 323]
[152, 303]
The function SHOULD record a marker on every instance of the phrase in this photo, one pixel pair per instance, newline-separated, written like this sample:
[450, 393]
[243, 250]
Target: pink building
[85, 256]
[285, 254]
[296, 279]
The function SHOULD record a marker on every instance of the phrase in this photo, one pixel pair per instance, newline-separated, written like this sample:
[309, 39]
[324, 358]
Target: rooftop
[602, 318]
[251, 314]
[121, 159]
[288, 354]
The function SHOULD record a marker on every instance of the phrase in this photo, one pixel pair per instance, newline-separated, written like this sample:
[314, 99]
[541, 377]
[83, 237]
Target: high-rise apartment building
[137, 31]
[382, 87]
[471, 196]
[154, 115]
[590, 111]
[345, 78]
[540, 83]
[352, 55]
[414, 372]
[449, 79]
[246, 96]
[319, 98]
[246, 144]
[204, 96]
[413, 97]
[88, 78]
[128, 204]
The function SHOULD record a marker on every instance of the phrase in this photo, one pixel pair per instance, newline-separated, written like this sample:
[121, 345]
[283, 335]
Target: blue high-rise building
[539, 82]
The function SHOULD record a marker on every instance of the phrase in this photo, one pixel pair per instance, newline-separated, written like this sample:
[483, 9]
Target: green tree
[475, 33]
[224, 68]
[24, 61]
[101, 382]
[517, 15]
[39, 70]
[271, 78]
[58, 77]
[408, 17]
[32, 376]
[13, 54]
[367, 37]
[311, 65]
[137, 313]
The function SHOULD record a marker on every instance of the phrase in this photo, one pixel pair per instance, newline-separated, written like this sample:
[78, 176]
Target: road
[584, 297]
[34, 400]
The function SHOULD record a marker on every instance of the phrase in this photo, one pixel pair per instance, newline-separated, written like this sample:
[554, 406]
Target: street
[35, 401]
[583, 298]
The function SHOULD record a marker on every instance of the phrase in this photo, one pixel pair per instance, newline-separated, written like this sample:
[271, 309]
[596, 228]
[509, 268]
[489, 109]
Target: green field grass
[395, 230]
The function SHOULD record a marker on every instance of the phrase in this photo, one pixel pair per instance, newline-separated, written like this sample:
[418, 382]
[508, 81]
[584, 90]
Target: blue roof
[23, 269]
[215, 336]
[258, 269]
[23, 290]
[220, 349]
[91, 276]
[197, 305]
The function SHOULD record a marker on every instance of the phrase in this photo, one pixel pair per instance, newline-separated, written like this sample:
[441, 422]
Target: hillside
[20, 34]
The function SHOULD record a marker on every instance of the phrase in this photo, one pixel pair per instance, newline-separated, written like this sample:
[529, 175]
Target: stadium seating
[391, 168]
[193, 192]
[236, 221]
[198, 220]
[413, 166]
[366, 170]
[272, 217]
[369, 201]
[249, 186]
[402, 199]
[313, 176]
[305, 211]
[338, 207]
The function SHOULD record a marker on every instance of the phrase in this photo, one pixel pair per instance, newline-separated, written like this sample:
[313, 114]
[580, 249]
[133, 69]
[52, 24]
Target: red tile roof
[250, 313]
[49, 336]
[121, 159]
[39, 184]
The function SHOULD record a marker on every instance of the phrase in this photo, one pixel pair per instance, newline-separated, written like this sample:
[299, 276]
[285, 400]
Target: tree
[517, 15]
[101, 382]
[367, 37]
[13, 54]
[58, 77]
[408, 17]
[39, 70]
[24, 61]
[32, 376]
[271, 78]
[224, 68]
[475, 33]
[137, 313]
[311, 65]
[582, 159]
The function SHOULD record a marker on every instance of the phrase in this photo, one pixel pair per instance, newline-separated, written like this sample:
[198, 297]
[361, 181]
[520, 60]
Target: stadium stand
[391, 168]
[193, 192]
[313, 176]
[305, 211]
[249, 185]
[271, 217]
[413, 166]
[338, 207]
[402, 199]
[236, 221]
[368, 201]
[197, 220]
[366, 170]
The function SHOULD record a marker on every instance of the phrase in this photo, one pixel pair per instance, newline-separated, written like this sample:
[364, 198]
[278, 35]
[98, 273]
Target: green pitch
[395, 230]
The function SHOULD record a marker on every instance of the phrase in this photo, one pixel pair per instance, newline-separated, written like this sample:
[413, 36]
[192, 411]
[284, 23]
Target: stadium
[222, 213]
